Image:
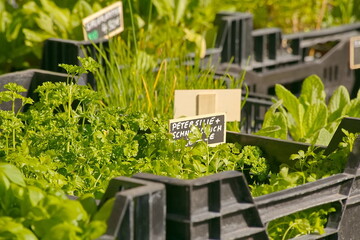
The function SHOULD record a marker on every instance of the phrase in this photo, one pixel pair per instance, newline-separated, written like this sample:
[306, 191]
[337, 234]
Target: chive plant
[145, 80]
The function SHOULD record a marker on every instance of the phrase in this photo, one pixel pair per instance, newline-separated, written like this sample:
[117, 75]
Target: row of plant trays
[236, 40]
[220, 206]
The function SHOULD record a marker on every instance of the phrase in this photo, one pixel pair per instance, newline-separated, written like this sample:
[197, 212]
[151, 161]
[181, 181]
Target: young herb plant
[308, 118]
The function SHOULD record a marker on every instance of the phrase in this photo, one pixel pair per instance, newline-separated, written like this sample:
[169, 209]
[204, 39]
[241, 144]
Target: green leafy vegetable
[27, 212]
[308, 118]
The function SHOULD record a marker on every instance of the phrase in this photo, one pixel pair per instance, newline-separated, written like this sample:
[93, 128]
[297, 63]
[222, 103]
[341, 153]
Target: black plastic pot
[138, 212]
[219, 206]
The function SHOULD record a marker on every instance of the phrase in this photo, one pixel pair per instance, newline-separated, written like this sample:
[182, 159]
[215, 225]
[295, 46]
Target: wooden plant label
[355, 52]
[181, 127]
[208, 101]
[105, 23]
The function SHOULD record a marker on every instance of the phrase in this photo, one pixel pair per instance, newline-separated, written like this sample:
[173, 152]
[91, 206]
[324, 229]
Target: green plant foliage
[305, 222]
[71, 141]
[25, 25]
[138, 80]
[27, 212]
[79, 148]
[274, 124]
[309, 118]
[309, 166]
[189, 20]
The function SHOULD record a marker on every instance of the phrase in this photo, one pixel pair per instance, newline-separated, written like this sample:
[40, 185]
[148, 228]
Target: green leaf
[45, 23]
[35, 36]
[35, 195]
[14, 87]
[72, 69]
[206, 129]
[60, 16]
[195, 134]
[89, 204]
[269, 131]
[10, 229]
[312, 91]
[82, 9]
[165, 8]
[15, 28]
[274, 124]
[66, 210]
[95, 229]
[131, 149]
[5, 96]
[290, 178]
[30, 7]
[353, 108]
[315, 118]
[105, 211]
[323, 137]
[12, 173]
[4, 184]
[63, 231]
[198, 39]
[18, 191]
[180, 7]
[89, 64]
[291, 103]
[339, 99]
[41, 227]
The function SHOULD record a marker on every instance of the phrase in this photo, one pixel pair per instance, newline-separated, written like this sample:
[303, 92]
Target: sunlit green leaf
[95, 229]
[12, 173]
[89, 204]
[291, 103]
[62, 231]
[104, 212]
[353, 108]
[274, 124]
[339, 99]
[315, 118]
[11, 229]
[312, 91]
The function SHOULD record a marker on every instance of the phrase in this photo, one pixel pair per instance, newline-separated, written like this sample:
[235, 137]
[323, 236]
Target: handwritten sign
[105, 23]
[355, 52]
[181, 127]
